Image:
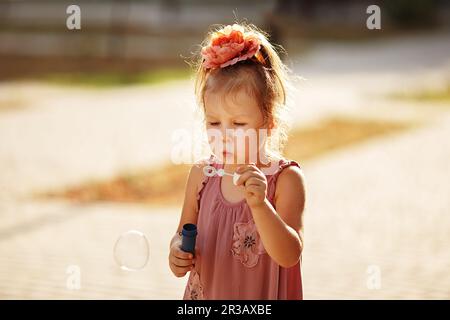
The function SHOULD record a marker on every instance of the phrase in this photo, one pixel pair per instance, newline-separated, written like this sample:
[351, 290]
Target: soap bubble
[131, 251]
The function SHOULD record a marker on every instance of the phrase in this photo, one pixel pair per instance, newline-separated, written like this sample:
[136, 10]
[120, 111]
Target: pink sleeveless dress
[232, 262]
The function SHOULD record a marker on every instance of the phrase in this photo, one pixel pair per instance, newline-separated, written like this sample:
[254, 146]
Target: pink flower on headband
[229, 46]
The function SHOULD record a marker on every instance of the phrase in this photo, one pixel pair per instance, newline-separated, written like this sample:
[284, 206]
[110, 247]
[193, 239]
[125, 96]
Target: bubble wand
[210, 171]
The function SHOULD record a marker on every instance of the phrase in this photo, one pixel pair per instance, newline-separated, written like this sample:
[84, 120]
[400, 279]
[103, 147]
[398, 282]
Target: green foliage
[112, 79]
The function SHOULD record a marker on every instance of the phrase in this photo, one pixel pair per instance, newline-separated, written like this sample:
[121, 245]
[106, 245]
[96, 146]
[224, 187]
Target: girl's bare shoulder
[291, 183]
[196, 175]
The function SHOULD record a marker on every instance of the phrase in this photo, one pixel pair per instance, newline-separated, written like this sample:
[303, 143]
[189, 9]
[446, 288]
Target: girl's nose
[227, 135]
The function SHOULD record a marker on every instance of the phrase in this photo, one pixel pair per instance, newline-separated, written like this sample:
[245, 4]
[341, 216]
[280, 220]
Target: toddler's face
[235, 126]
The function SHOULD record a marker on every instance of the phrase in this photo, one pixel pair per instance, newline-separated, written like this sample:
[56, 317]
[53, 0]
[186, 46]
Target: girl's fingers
[181, 262]
[254, 181]
[254, 189]
[180, 271]
[243, 177]
[180, 254]
[247, 175]
[246, 167]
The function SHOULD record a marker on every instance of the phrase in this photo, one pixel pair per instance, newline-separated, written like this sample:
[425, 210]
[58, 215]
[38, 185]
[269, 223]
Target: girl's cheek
[248, 144]
[214, 136]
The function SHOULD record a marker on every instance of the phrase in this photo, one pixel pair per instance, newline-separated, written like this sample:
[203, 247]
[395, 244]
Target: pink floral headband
[230, 45]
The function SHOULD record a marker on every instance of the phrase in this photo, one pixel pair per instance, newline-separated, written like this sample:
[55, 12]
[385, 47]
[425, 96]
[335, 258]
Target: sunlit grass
[336, 133]
[426, 95]
[113, 79]
[165, 185]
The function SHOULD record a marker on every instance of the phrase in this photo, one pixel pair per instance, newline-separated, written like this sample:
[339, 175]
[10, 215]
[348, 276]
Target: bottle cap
[189, 230]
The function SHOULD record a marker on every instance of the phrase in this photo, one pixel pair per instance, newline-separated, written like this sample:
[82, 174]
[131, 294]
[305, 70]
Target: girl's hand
[254, 183]
[180, 262]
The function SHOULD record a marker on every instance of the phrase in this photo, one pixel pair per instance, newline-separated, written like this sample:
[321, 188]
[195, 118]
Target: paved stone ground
[384, 203]
[36, 254]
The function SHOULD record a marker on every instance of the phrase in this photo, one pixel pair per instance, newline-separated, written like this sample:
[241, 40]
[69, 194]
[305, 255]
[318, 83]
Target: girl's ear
[268, 125]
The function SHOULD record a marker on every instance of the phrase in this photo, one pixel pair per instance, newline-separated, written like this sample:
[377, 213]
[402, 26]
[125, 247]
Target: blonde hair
[267, 79]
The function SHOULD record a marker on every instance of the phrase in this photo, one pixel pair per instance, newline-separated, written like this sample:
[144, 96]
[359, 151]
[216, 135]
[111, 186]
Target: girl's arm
[281, 230]
[181, 262]
[189, 212]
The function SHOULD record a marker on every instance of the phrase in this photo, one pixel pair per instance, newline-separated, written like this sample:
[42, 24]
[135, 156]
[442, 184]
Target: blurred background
[87, 119]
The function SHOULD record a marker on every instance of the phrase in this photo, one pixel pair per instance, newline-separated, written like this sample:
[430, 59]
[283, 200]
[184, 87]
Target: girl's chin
[226, 155]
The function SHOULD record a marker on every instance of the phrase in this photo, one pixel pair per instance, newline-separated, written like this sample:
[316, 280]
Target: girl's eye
[239, 124]
[214, 123]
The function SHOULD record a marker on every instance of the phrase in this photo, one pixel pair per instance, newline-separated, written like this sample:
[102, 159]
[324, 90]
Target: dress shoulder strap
[272, 179]
[207, 166]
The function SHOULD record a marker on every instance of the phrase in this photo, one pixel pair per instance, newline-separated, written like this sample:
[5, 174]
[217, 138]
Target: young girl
[250, 231]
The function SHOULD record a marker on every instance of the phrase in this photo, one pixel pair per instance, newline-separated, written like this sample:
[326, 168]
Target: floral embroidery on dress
[247, 245]
[195, 288]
